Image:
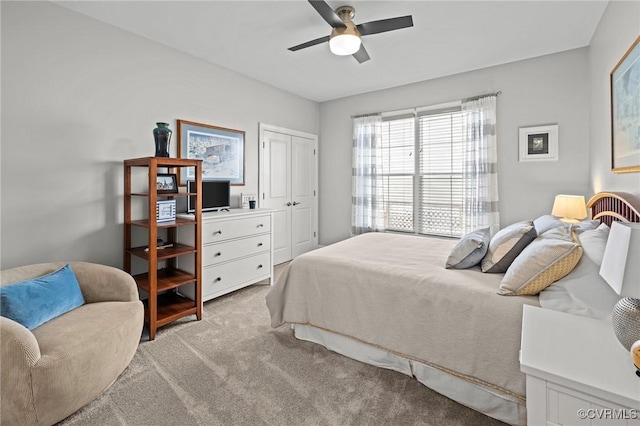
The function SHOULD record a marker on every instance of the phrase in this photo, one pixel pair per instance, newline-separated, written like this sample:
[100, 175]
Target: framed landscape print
[220, 149]
[166, 183]
[538, 143]
[625, 112]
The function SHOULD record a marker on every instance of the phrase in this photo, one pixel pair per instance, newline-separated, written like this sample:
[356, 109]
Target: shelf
[168, 224]
[163, 305]
[162, 194]
[168, 278]
[159, 162]
[165, 253]
[171, 307]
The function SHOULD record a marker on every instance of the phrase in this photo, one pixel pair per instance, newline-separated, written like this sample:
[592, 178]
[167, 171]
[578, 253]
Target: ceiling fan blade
[361, 55]
[384, 25]
[327, 13]
[310, 43]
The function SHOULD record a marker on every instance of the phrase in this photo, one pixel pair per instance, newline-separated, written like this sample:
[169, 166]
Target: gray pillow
[470, 249]
[548, 221]
[507, 244]
[585, 225]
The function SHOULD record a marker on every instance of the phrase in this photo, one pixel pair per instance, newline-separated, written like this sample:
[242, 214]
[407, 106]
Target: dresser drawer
[235, 228]
[216, 279]
[223, 252]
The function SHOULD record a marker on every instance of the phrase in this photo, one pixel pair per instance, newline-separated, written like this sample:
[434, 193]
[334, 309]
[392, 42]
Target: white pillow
[594, 241]
[584, 291]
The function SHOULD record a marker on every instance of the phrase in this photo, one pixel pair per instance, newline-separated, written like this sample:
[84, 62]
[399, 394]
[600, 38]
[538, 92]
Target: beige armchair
[53, 370]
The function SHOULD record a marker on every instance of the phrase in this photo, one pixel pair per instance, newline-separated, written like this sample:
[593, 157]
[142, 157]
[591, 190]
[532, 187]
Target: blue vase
[162, 136]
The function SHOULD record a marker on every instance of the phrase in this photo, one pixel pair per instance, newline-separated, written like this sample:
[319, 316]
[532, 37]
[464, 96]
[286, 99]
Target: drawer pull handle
[217, 232]
[217, 280]
[259, 266]
[217, 254]
[260, 225]
[259, 244]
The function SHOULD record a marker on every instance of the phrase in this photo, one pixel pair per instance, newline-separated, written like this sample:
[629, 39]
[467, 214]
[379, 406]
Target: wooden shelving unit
[163, 305]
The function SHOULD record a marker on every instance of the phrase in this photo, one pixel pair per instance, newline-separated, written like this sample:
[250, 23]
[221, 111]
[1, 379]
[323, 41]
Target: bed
[387, 300]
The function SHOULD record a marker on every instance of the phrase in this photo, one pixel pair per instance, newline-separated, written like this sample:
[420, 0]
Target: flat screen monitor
[216, 195]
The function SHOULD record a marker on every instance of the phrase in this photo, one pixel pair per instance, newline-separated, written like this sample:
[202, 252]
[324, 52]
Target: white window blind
[422, 193]
[396, 170]
[440, 176]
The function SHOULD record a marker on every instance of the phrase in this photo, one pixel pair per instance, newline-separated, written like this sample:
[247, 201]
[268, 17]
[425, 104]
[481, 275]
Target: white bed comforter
[393, 291]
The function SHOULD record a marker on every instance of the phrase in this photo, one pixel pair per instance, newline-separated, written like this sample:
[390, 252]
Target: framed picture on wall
[539, 143]
[625, 112]
[220, 149]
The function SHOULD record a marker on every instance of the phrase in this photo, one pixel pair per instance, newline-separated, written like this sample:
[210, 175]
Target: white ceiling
[448, 37]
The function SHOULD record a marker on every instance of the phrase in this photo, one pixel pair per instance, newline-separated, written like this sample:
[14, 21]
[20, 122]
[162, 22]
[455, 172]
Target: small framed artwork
[246, 199]
[625, 112]
[220, 149]
[166, 183]
[539, 143]
[165, 210]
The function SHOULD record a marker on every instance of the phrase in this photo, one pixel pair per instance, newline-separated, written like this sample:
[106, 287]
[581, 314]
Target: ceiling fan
[345, 35]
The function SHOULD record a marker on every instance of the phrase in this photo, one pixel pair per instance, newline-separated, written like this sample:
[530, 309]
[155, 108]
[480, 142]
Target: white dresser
[577, 371]
[237, 251]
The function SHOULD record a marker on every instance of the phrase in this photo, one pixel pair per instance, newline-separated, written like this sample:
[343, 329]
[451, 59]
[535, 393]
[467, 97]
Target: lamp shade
[621, 262]
[570, 208]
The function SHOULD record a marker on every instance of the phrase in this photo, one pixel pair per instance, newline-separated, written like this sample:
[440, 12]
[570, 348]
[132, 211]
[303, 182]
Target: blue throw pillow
[470, 249]
[38, 300]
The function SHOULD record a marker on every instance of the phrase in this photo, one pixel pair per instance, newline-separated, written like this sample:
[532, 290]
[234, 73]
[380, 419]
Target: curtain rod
[473, 98]
[371, 114]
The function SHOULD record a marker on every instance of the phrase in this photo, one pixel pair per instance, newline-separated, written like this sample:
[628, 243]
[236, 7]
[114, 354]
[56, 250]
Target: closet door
[288, 185]
[276, 191]
[302, 195]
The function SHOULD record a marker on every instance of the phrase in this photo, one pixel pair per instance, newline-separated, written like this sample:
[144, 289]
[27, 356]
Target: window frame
[417, 175]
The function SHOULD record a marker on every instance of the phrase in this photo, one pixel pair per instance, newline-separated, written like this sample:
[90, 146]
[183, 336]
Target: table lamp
[621, 270]
[570, 208]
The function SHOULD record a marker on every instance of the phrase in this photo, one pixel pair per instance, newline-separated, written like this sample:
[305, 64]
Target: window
[419, 172]
[428, 170]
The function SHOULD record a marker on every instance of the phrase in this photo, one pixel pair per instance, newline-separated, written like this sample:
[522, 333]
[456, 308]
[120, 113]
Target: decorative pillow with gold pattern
[549, 257]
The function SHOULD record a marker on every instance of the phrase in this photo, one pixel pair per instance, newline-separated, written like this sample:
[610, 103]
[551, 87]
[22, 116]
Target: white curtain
[367, 131]
[480, 172]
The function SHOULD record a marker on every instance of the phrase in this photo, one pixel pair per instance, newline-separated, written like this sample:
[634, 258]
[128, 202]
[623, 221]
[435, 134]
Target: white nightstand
[577, 371]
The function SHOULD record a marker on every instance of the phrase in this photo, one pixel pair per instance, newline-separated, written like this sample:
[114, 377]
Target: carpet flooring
[232, 368]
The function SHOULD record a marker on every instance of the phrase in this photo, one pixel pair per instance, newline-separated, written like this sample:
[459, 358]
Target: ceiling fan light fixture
[345, 41]
[344, 44]
[345, 37]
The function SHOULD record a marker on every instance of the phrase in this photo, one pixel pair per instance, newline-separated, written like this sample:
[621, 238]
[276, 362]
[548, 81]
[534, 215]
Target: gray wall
[544, 90]
[618, 29]
[80, 96]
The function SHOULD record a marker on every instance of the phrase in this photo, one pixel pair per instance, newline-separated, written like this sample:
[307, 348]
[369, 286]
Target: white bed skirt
[491, 402]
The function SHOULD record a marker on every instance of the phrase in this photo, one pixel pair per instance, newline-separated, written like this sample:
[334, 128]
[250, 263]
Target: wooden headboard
[609, 206]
